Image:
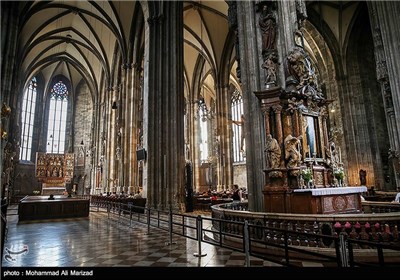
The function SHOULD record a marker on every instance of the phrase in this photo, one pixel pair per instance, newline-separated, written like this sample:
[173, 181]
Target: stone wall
[239, 175]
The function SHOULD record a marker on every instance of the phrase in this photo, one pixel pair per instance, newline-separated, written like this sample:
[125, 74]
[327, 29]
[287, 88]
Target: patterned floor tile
[99, 241]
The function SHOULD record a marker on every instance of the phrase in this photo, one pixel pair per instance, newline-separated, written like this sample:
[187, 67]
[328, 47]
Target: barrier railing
[280, 243]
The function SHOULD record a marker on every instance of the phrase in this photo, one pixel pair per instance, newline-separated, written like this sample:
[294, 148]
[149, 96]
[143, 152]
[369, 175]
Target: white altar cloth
[333, 191]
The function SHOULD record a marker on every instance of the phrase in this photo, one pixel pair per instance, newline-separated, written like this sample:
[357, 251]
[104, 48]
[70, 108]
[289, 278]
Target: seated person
[137, 195]
[237, 193]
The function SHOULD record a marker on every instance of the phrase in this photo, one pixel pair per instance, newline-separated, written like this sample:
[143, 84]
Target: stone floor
[98, 242]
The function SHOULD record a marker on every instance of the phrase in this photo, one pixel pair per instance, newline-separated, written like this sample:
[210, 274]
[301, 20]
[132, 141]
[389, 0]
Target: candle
[309, 151]
[340, 155]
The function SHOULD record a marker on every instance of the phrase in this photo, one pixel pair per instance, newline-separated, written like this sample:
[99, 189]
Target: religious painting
[311, 137]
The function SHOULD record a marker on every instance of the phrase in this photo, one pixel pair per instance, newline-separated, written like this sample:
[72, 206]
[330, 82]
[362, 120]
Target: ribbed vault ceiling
[80, 39]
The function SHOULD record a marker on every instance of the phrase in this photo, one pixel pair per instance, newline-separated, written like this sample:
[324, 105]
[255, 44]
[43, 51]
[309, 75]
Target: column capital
[265, 109]
[277, 109]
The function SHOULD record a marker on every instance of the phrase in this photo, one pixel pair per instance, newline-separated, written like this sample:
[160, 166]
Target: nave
[98, 241]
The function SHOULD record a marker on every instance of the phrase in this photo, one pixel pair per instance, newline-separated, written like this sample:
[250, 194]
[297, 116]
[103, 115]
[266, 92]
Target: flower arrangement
[339, 173]
[36, 192]
[306, 174]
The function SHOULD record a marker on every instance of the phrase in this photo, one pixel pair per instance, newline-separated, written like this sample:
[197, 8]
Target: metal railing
[279, 245]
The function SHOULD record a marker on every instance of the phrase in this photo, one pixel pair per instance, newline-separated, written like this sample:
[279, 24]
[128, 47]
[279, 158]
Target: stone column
[225, 163]
[120, 149]
[252, 77]
[265, 111]
[164, 106]
[111, 144]
[9, 37]
[385, 26]
[195, 152]
[296, 122]
[126, 134]
[288, 23]
[324, 115]
[278, 123]
[135, 127]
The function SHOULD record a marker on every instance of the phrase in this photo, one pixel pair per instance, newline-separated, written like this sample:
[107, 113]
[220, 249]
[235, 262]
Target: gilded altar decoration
[5, 111]
[54, 168]
[3, 133]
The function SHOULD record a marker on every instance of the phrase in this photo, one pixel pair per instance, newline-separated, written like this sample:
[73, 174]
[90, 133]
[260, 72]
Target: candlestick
[309, 151]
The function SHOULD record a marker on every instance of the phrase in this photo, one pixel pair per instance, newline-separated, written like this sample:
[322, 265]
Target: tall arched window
[27, 120]
[237, 126]
[203, 113]
[57, 118]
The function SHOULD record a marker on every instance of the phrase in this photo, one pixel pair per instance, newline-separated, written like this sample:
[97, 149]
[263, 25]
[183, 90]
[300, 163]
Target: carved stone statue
[242, 136]
[270, 66]
[300, 75]
[332, 156]
[292, 151]
[267, 24]
[295, 67]
[273, 152]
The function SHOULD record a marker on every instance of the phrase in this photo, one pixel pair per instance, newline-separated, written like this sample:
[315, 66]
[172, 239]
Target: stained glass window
[57, 119]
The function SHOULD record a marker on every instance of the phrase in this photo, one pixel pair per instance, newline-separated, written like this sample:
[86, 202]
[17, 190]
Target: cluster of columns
[384, 22]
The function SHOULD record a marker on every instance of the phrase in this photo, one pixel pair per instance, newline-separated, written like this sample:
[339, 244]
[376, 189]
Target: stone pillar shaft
[385, 21]
[165, 107]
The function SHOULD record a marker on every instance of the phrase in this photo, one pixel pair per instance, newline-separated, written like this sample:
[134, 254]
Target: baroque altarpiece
[300, 156]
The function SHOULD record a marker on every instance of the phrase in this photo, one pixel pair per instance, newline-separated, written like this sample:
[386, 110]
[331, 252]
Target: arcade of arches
[138, 90]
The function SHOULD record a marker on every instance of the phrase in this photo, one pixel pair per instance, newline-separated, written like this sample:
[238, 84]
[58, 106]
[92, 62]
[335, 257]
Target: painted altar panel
[311, 134]
[54, 168]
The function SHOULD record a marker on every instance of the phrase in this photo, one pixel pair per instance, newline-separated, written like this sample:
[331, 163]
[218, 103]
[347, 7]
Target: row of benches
[136, 205]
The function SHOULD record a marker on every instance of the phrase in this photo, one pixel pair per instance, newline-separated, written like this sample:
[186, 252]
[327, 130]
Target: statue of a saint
[242, 138]
[332, 156]
[273, 152]
[267, 24]
[292, 151]
[270, 66]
